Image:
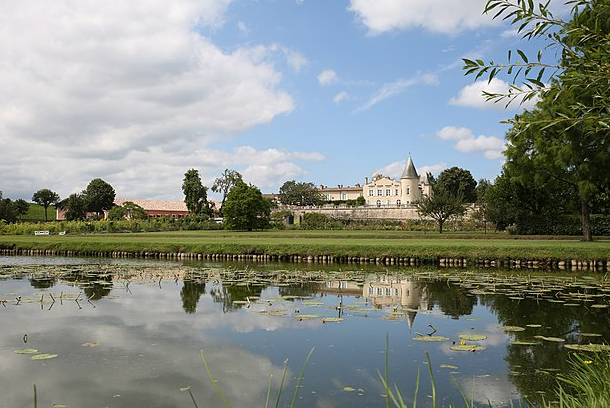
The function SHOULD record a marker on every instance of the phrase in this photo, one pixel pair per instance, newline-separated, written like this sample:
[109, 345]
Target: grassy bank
[371, 244]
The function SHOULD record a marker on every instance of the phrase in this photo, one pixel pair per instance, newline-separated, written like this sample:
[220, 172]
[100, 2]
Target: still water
[130, 333]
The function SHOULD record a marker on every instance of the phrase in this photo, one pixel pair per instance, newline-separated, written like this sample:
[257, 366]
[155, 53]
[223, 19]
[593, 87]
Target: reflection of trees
[532, 368]
[42, 282]
[95, 286]
[451, 299]
[190, 293]
[227, 294]
[302, 289]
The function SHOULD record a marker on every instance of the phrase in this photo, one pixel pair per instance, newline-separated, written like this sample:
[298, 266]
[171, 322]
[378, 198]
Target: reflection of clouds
[496, 390]
[149, 350]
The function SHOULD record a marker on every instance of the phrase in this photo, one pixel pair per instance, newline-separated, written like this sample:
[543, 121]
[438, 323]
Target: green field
[36, 213]
[335, 243]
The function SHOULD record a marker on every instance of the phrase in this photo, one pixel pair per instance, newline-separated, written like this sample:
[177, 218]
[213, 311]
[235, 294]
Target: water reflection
[151, 321]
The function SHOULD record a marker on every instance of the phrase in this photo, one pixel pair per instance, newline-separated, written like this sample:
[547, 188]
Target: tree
[456, 180]
[583, 65]
[75, 206]
[10, 210]
[99, 196]
[45, 197]
[441, 206]
[301, 194]
[246, 209]
[224, 184]
[195, 193]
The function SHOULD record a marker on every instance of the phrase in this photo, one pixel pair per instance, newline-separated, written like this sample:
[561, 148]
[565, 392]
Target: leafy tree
[583, 65]
[45, 197]
[224, 184]
[195, 193]
[441, 206]
[117, 213]
[10, 210]
[246, 209]
[301, 194]
[75, 206]
[134, 211]
[456, 180]
[99, 196]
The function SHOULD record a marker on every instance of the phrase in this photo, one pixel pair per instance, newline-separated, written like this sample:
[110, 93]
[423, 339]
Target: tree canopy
[45, 197]
[442, 206]
[75, 207]
[10, 210]
[224, 184]
[246, 208]
[300, 193]
[456, 180]
[99, 196]
[195, 193]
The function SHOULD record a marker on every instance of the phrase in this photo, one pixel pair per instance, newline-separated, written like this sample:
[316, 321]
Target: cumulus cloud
[467, 142]
[472, 96]
[395, 88]
[91, 87]
[327, 77]
[439, 16]
[395, 169]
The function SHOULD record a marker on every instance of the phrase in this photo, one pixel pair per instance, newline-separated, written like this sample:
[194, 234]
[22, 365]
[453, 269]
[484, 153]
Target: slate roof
[409, 172]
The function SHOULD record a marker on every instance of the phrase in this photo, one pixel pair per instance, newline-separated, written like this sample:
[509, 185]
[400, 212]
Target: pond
[109, 333]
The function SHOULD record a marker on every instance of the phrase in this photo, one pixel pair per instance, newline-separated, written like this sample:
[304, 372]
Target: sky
[325, 91]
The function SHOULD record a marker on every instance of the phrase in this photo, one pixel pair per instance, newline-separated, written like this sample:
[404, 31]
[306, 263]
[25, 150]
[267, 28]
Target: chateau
[384, 191]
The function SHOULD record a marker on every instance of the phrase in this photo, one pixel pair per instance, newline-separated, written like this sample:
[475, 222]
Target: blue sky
[328, 91]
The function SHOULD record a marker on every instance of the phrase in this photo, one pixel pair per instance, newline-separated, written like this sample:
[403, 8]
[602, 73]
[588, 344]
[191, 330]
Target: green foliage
[317, 221]
[36, 213]
[75, 207]
[45, 198]
[301, 194]
[224, 184]
[195, 194]
[442, 206]
[117, 213]
[99, 196]
[11, 210]
[456, 180]
[246, 209]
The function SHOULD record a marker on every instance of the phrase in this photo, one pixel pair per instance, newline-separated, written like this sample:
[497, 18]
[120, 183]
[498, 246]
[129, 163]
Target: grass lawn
[36, 213]
[336, 243]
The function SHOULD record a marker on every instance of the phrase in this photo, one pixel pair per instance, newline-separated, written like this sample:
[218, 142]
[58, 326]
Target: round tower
[409, 184]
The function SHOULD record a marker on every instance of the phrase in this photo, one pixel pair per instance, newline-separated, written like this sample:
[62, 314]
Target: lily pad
[588, 347]
[467, 347]
[43, 356]
[26, 351]
[552, 339]
[511, 328]
[431, 338]
[525, 343]
[91, 344]
[449, 366]
[332, 319]
[472, 337]
[534, 325]
[600, 306]
[590, 335]
[306, 316]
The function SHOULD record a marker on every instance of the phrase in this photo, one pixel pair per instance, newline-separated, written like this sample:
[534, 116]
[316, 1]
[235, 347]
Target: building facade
[384, 191]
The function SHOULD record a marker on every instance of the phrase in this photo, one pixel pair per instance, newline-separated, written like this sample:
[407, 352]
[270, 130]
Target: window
[398, 202]
[407, 190]
[371, 192]
[344, 196]
[380, 192]
[397, 192]
[378, 203]
[388, 192]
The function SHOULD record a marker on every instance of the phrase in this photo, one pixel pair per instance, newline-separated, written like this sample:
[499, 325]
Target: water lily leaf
[43, 356]
[534, 325]
[525, 343]
[332, 319]
[588, 347]
[348, 389]
[467, 347]
[449, 366]
[91, 344]
[553, 339]
[472, 337]
[600, 306]
[591, 335]
[26, 351]
[511, 328]
[306, 316]
[431, 338]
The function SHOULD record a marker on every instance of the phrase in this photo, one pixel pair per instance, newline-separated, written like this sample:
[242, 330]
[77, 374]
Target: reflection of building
[389, 291]
[343, 287]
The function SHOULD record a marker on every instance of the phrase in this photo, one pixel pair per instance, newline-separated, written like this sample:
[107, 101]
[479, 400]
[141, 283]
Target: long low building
[153, 208]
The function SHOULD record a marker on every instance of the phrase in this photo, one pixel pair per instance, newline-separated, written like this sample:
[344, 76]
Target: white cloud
[90, 87]
[243, 27]
[395, 88]
[433, 168]
[472, 96]
[466, 142]
[440, 16]
[340, 97]
[327, 77]
[395, 169]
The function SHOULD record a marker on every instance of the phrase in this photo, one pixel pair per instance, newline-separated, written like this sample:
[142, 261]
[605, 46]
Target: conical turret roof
[409, 172]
